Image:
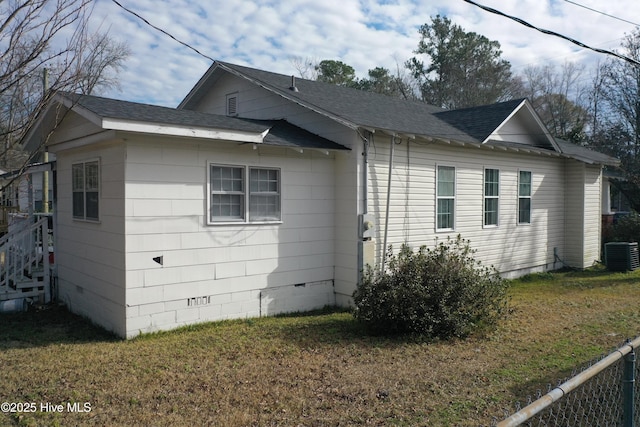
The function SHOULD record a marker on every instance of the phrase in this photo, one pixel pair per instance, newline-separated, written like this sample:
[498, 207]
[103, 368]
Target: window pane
[77, 172]
[92, 205]
[78, 204]
[491, 182]
[445, 213]
[491, 211]
[524, 210]
[225, 207]
[524, 188]
[264, 208]
[91, 176]
[446, 181]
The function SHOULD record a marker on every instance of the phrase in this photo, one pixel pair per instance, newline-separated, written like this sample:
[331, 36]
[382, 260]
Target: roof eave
[183, 131]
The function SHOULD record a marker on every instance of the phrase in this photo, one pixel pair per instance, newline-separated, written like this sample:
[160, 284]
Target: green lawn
[312, 370]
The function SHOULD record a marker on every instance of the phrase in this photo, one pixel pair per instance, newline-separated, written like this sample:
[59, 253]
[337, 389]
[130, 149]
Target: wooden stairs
[24, 263]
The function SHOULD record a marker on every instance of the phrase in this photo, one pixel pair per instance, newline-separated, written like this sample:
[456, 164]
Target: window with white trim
[524, 197]
[445, 195]
[264, 194]
[85, 186]
[227, 193]
[231, 201]
[491, 196]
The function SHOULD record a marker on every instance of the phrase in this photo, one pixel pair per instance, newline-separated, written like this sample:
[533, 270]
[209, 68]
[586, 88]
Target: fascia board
[183, 131]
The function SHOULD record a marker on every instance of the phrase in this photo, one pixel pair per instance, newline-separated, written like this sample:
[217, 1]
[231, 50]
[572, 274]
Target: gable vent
[232, 105]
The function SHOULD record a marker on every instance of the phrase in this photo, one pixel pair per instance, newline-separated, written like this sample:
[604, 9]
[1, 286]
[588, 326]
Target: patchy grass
[313, 370]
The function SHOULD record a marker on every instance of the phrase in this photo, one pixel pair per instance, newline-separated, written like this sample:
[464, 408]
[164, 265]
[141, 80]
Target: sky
[274, 35]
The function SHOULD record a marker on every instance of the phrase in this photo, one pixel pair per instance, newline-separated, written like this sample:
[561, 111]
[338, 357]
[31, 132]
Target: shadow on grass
[337, 327]
[52, 324]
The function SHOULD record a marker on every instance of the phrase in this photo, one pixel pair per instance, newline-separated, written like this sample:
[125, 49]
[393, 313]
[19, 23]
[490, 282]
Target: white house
[263, 194]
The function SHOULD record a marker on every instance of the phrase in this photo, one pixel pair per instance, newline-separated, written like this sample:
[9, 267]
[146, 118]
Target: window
[524, 197]
[86, 190]
[264, 195]
[491, 196]
[445, 194]
[232, 104]
[227, 193]
[229, 198]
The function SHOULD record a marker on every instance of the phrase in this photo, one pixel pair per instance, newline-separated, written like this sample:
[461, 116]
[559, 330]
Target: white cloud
[363, 33]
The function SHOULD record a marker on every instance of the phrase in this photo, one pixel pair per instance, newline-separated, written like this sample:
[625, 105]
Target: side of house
[191, 258]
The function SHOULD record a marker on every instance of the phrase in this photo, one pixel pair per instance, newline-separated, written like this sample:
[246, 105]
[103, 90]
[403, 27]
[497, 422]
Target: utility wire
[602, 13]
[553, 33]
[163, 31]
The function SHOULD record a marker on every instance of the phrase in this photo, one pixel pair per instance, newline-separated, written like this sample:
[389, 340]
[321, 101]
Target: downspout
[386, 214]
[365, 198]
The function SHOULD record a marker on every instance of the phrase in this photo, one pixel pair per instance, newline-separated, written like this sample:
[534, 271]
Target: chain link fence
[604, 394]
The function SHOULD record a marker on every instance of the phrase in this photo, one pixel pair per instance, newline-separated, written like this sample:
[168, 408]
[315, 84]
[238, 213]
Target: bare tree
[559, 99]
[54, 35]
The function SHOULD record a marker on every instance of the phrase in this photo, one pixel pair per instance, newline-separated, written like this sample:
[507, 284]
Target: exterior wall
[513, 249]
[258, 103]
[90, 256]
[213, 272]
[583, 221]
[575, 219]
[593, 218]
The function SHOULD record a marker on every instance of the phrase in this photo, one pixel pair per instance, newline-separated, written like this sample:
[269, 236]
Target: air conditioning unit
[621, 256]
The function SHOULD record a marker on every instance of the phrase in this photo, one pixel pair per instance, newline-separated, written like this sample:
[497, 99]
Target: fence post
[628, 387]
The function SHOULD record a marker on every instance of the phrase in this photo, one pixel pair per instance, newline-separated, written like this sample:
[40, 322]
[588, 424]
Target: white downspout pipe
[386, 214]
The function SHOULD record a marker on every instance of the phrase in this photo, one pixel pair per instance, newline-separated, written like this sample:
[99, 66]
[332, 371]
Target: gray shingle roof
[280, 133]
[366, 109]
[360, 108]
[479, 122]
[586, 155]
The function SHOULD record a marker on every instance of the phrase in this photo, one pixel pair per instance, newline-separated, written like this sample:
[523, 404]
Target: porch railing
[5, 212]
[24, 263]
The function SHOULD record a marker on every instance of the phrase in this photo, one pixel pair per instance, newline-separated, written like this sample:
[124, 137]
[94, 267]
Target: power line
[602, 13]
[553, 33]
[163, 31]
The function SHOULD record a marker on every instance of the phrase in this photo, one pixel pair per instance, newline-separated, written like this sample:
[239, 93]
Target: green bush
[440, 293]
[626, 229]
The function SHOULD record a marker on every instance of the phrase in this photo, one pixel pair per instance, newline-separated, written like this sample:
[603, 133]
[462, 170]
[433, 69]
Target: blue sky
[271, 34]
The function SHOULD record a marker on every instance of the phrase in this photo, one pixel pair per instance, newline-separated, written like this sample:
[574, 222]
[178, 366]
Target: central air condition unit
[621, 256]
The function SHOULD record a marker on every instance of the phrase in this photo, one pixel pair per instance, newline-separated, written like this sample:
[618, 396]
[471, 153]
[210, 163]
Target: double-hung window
[491, 196]
[231, 200]
[524, 197]
[227, 193]
[85, 183]
[264, 194]
[445, 195]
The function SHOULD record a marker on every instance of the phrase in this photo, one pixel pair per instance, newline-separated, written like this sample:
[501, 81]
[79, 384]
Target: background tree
[335, 72]
[616, 101]
[463, 69]
[382, 81]
[559, 99]
[39, 34]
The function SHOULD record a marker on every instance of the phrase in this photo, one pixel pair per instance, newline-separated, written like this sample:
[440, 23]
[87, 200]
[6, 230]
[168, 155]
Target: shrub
[441, 293]
[626, 229]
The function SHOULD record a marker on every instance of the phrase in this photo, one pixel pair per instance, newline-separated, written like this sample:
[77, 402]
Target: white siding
[583, 221]
[212, 272]
[90, 256]
[510, 247]
[256, 102]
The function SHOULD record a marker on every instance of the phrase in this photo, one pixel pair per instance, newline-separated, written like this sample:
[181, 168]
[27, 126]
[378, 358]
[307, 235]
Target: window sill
[243, 223]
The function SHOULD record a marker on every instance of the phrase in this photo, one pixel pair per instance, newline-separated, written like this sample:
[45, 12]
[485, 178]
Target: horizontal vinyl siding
[575, 219]
[510, 247]
[593, 217]
[235, 270]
